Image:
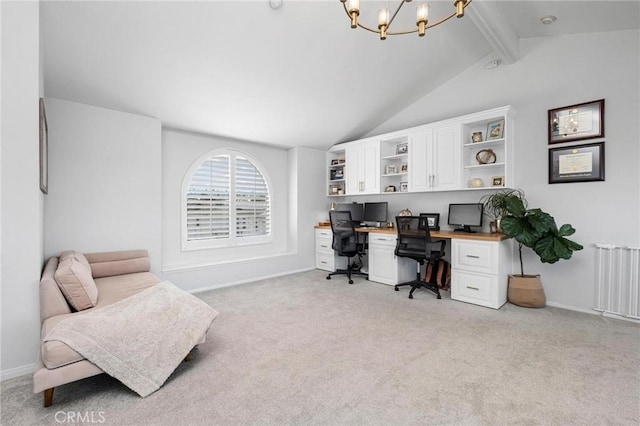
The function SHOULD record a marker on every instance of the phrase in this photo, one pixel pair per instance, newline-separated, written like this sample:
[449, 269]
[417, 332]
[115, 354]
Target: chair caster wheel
[396, 289]
[328, 277]
[350, 281]
[439, 297]
[410, 296]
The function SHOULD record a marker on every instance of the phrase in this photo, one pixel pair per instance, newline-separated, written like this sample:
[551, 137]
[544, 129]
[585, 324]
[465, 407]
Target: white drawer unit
[384, 266]
[326, 257]
[479, 272]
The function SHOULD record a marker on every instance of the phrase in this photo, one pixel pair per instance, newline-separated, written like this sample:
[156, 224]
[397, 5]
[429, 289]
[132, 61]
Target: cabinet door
[382, 264]
[363, 167]
[446, 159]
[420, 175]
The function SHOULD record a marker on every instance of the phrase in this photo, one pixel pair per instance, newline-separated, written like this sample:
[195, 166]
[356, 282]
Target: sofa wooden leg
[188, 357]
[48, 397]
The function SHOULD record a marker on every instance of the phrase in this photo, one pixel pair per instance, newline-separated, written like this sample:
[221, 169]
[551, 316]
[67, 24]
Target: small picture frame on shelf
[497, 181]
[404, 186]
[495, 130]
[390, 188]
[390, 169]
[402, 148]
[404, 168]
[476, 137]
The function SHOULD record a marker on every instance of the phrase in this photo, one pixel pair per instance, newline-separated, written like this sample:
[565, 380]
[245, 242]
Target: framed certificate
[578, 163]
[576, 122]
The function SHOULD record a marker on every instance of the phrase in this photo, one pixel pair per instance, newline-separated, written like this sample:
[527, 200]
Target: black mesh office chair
[414, 241]
[345, 243]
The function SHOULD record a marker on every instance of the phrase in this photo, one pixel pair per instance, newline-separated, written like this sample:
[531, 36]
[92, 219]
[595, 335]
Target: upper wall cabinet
[435, 158]
[363, 167]
[470, 152]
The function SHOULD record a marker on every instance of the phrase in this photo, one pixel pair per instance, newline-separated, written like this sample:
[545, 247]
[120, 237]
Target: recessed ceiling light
[549, 19]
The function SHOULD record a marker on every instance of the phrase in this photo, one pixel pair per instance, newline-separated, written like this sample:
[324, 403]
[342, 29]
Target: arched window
[226, 201]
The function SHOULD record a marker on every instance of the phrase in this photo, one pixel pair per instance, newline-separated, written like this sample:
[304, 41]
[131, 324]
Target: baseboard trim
[249, 280]
[572, 308]
[12, 373]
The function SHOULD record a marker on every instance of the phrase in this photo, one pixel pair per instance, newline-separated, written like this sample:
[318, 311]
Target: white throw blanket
[139, 340]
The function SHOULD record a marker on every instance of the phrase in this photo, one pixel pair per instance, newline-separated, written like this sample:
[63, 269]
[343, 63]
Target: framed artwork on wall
[578, 163]
[576, 122]
[44, 150]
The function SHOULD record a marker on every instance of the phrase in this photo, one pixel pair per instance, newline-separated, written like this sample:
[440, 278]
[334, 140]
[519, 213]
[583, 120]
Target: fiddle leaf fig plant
[537, 230]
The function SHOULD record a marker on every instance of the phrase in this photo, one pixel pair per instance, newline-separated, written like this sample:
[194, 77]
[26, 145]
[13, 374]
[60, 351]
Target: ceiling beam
[495, 28]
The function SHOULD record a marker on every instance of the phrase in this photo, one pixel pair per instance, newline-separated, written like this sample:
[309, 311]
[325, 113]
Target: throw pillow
[76, 283]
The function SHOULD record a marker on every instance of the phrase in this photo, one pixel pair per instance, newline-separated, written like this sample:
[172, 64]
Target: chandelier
[352, 8]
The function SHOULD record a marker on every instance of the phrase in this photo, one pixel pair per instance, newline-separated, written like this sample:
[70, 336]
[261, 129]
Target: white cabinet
[434, 158]
[363, 167]
[384, 266]
[326, 257]
[470, 152]
[479, 271]
[488, 149]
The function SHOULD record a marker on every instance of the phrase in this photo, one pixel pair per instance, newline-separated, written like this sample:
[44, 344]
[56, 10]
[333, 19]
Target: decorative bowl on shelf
[486, 156]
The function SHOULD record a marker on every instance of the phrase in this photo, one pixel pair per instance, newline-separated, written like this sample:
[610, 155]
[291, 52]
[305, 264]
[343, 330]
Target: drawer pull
[473, 256]
[381, 239]
[473, 288]
[323, 246]
[323, 262]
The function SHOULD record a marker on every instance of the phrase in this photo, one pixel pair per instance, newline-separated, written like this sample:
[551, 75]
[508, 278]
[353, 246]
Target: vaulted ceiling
[297, 75]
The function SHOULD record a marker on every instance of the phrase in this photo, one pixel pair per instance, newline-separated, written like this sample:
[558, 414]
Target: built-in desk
[480, 262]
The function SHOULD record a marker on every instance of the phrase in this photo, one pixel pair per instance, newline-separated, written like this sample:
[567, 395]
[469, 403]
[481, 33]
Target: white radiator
[617, 269]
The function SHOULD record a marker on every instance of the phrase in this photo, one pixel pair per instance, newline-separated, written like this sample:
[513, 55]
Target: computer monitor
[465, 215]
[356, 209]
[375, 212]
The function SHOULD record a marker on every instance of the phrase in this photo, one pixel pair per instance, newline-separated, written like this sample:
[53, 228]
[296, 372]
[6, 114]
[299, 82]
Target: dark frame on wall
[44, 150]
[576, 122]
[578, 163]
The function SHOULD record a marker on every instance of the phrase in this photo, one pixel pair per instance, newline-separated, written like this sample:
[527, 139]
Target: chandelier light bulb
[422, 17]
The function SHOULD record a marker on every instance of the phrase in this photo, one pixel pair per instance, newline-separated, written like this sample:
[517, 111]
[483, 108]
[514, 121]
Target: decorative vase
[405, 212]
[526, 291]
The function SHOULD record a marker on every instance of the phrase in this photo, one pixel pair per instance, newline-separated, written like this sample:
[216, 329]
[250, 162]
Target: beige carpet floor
[302, 350]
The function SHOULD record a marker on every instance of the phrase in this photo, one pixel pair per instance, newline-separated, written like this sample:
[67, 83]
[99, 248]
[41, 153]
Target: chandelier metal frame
[422, 23]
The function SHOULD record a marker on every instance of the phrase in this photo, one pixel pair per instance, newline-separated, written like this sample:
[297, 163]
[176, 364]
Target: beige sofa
[117, 275]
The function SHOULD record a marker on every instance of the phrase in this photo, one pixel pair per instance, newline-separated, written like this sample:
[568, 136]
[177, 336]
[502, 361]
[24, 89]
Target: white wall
[104, 181]
[21, 200]
[555, 72]
[209, 268]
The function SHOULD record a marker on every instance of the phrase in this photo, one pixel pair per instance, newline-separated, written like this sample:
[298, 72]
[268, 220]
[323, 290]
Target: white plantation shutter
[208, 200]
[252, 200]
[227, 201]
